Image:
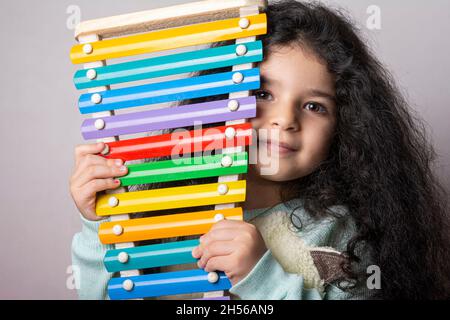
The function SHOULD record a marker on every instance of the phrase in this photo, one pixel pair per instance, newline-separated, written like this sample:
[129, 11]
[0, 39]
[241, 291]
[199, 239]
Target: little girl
[353, 212]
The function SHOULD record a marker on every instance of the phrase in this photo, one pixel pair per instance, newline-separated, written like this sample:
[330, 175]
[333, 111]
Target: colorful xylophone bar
[177, 27]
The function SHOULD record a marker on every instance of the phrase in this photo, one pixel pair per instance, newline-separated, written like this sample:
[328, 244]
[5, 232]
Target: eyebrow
[312, 92]
[265, 80]
[319, 93]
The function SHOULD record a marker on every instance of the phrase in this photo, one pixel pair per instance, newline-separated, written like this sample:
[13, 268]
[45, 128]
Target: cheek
[316, 140]
[259, 120]
[255, 122]
[263, 114]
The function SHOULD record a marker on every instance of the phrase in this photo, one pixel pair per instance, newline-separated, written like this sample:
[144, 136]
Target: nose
[284, 117]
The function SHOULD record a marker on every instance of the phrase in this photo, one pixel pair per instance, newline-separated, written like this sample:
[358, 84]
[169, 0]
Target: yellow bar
[170, 198]
[167, 39]
[167, 226]
[166, 17]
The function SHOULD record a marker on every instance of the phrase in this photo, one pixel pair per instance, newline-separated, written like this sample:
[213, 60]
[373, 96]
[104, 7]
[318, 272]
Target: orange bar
[167, 226]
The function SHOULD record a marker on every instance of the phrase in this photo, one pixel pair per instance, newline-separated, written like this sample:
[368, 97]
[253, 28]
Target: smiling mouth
[282, 147]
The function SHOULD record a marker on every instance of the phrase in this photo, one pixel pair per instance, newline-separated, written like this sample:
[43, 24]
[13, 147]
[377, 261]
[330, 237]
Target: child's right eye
[262, 95]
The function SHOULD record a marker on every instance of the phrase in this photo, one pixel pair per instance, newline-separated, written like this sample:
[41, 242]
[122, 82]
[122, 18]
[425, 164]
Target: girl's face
[296, 108]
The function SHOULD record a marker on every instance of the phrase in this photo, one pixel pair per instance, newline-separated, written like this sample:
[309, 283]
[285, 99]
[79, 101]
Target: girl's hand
[92, 174]
[230, 246]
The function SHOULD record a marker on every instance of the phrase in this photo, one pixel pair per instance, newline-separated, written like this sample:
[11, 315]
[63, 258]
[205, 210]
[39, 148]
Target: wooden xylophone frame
[165, 21]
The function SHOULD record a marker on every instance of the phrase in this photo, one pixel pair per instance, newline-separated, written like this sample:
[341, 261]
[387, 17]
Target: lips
[282, 146]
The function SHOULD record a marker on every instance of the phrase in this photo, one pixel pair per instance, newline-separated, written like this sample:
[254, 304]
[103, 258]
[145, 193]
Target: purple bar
[169, 118]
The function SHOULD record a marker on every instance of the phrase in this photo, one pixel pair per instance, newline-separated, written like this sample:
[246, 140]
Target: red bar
[180, 143]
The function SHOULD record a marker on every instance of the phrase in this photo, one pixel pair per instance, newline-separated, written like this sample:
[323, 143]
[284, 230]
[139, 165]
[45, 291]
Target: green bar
[184, 169]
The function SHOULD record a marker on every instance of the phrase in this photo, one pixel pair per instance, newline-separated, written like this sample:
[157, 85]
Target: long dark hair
[380, 161]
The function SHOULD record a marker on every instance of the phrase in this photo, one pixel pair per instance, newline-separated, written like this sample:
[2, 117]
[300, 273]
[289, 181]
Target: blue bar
[179, 63]
[156, 255]
[215, 298]
[195, 87]
[166, 284]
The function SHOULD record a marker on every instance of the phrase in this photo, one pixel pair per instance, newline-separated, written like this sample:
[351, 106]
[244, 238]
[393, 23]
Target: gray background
[40, 122]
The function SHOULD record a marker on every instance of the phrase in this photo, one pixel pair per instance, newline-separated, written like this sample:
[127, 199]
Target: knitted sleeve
[87, 259]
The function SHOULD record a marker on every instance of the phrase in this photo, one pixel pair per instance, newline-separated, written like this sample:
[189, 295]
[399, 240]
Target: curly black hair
[380, 161]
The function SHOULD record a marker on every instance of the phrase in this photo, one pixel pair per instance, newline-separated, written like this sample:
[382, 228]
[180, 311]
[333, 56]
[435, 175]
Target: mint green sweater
[296, 265]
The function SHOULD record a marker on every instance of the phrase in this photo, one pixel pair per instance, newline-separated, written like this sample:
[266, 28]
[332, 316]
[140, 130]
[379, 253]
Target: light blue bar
[179, 63]
[156, 255]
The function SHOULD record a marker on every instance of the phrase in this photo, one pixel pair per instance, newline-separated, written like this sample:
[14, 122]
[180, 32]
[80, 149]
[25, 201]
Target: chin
[279, 175]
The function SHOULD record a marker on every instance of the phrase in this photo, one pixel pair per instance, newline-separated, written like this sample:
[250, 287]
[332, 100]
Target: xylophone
[166, 31]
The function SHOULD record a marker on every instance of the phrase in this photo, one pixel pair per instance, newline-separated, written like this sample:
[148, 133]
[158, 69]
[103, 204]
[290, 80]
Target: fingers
[99, 172]
[228, 224]
[85, 196]
[92, 174]
[90, 160]
[219, 235]
[231, 246]
[216, 248]
[219, 263]
[98, 185]
[214, 239]
[85, 149]
[90, 166]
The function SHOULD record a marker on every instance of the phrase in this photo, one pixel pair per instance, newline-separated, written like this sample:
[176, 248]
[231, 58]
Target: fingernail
[117, 181]
[118, 162]
[123, 169]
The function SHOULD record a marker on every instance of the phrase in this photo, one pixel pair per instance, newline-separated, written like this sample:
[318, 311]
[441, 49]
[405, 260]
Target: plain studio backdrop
[40, 121]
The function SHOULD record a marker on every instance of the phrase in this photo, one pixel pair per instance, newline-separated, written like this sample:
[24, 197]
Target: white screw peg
[91, 74]
[117, 229]
[233, 105]
[213, 277]
[96, 98]
[113, 202]
[128, 285]
[99, 124]
[123, 257]
[87, 48]
[222, 189]
[227, 161]
[230, 133]
[241, 50]
[106, 150]
[238, 77]
[244, 23]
